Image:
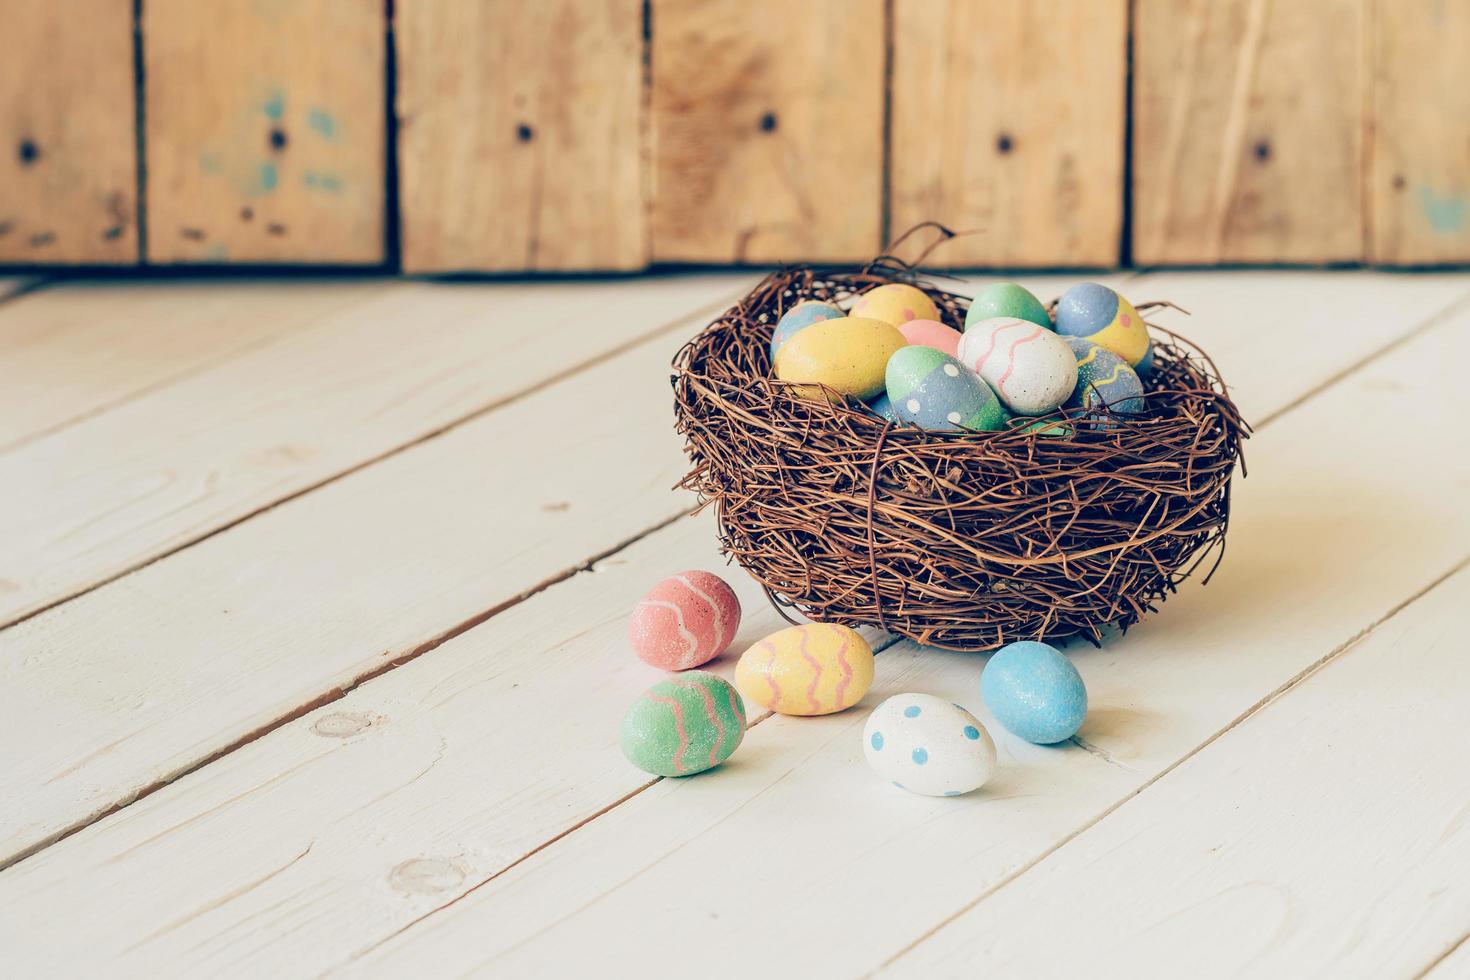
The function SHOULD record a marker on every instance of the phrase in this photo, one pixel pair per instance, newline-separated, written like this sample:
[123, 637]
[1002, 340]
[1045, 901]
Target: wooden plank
[143, 479]
[434, 710]
[68, 147]
[1454, 962]
[312, 595]
[1324, 835]
[265, 131]
[68, 352]
[1248, 131]
[521, 135]
[11, 285]
[984, 139]
[1421, 90]
[835, 843]
[768, 130]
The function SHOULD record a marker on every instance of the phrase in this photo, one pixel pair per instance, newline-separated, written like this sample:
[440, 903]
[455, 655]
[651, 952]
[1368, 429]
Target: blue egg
[1104, 379]
[931, 389]
[1094, 311]
[1034, 692]
[881, 406]
[801, 316]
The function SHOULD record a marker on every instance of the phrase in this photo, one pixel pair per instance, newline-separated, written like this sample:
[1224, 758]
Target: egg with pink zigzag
[815, 669]
[1028, 367]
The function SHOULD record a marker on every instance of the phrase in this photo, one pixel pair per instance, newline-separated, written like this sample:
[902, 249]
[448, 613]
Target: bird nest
[961, 540]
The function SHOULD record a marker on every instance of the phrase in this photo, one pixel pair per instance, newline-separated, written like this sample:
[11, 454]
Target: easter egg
[896, 303]
[684, 621]
[814, 669]
[1007, 299]
[803, 314]
[883, 406]
[847, 355]
[1094, 311]
[1034, 692]
[683, 725]
[1052, 428]
[1025, 364]
[1103, 379]
[931, 333]
[933, 390]
[927, 745]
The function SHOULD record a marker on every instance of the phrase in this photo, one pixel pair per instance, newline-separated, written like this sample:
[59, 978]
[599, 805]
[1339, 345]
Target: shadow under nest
[960, 540]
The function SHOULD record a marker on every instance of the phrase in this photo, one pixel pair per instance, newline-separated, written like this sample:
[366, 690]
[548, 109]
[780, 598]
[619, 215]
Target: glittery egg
[934, 391]
[927, 745]
[1094, 311]
[1024, 363]
[1104, 379]
[896, 303]
[803, 314]
[683, 725]
[684, 621]
[814, 669]
[883, 406]
[848, 355]
[931, 333]
[1034, 692]
[1007, 299]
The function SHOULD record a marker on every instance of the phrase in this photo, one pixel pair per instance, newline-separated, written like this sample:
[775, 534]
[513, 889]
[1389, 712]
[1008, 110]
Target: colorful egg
[927, 745]
[683, 725]
[847, 355]
[814, 669]
[803, 314]
[896, 303]
[684, 621]
[931, 333]
[1007, 299]
[882, 406]
[1034, 692]
[1051, 428]
[933, 390]
[1094, 311]
[1027, 365]
[1104, 379]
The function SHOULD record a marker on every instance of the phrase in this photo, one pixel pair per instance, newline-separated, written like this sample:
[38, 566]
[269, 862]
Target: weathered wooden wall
[567, 135]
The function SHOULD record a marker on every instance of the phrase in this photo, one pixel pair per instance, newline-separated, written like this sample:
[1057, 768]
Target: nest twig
[953, 539]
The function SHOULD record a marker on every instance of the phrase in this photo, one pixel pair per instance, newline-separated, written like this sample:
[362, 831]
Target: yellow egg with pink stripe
[814, 669]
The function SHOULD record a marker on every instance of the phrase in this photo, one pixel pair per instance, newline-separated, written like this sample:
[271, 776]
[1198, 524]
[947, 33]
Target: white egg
[928, 745]
[1029, 367]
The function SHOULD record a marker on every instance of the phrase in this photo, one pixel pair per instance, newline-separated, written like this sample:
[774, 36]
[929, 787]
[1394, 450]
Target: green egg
[1007, 299]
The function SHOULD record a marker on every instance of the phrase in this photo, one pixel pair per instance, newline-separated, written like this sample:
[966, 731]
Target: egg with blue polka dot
[1094, 311]
[928, 745]
[930, 389]
[1104, 380]
[800, 316]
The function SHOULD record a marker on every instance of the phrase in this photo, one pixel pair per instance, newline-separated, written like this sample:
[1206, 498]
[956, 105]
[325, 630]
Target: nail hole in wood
[28, 152]
[768, 123]
[1004, 143]
[1399, 183]
[275, 229]
[278, 139]
[193, 234]
[1262, 150]
[112, 234]
[525, 133]
[247, 213]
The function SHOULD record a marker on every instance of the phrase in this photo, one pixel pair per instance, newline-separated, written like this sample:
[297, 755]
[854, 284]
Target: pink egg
[931, 333]
[684, 621]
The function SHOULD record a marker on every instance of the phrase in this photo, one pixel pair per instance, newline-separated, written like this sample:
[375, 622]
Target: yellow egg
[848, 355]
[814, 669]
[895, 303]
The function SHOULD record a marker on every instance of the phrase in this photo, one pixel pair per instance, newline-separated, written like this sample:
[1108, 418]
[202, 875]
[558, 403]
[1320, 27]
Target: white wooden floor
[312, 661]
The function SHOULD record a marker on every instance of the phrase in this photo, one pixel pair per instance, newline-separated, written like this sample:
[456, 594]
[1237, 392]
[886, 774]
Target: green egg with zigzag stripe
[684, 725]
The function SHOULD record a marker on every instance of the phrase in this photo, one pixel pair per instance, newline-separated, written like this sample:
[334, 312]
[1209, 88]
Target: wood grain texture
[768, 130]
[312, 595]
[521, 135]
[805, 843]
[439, 794]
[68, 146]
[115, 491]
[68, 352]
[1291, 846]
[1421, 132]
[1008, 119]
[265, 131]
[1248, 131]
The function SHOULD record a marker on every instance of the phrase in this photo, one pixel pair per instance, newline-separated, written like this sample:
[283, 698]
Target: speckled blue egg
[883, 406]
[1104, 379]
[931, 389]
[1094, 311]
[1034, 692]
[800, 316]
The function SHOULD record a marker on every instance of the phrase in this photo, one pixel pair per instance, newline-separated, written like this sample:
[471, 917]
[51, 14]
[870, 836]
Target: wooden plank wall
[587, 135]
